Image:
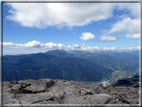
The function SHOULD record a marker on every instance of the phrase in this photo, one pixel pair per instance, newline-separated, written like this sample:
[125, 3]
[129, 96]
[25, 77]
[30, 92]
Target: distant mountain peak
[59, 52]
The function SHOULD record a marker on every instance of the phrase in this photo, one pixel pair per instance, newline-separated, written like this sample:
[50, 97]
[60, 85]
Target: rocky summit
[60, 92]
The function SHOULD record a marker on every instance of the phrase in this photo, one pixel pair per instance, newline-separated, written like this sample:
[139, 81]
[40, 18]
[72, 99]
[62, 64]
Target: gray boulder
[84, 91]
[58, 96]
[16, 87]
[123, 95]
[50, 83]
[34, 98]
[9, 98]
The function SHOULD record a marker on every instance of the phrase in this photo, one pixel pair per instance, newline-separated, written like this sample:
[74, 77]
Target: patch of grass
[14, 82]
[21, 90]
[134, 85]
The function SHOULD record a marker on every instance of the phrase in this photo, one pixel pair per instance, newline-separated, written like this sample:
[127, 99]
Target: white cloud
[132, 8]
[133, 36]
[73, 47]
[87, 36]
[110, 48]
[130, 48]
[128, 25]
[8, 44]
[51, 45]
[42, 15]
[36, 46]
[107, 38]
[83, 45]
[33, 44]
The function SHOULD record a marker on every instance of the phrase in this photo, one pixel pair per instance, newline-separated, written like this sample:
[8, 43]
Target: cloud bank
[51, 46]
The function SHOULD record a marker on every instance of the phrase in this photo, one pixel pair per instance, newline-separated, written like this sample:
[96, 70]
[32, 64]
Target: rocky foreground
[47, 91]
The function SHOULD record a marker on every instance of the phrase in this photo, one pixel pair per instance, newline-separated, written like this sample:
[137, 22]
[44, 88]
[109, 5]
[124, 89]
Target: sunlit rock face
[48, 91]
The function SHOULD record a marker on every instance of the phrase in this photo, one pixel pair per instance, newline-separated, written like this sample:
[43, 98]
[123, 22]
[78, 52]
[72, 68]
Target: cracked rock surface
[48, 91]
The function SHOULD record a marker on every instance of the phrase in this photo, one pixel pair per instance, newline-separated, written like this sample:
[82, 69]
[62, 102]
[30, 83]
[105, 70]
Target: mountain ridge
[128, 82]
[60, 62]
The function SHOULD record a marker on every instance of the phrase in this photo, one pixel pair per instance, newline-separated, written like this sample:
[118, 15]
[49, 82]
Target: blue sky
[31, 28]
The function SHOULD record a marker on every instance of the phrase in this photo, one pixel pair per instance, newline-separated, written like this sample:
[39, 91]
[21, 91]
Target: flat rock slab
[35, 88]
[6, 88]
[45, 103]
[90, 99]
[9, 98]
[34, 98]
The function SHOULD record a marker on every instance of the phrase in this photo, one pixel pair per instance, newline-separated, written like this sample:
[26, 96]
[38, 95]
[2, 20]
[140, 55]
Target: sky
[40, 27]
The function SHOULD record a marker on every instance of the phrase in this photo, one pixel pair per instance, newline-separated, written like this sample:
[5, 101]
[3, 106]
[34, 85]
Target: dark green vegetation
[42, 65]
[73, 65]
[128, 82]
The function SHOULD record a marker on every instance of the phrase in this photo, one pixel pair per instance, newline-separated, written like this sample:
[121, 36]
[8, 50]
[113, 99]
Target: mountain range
[74, 65]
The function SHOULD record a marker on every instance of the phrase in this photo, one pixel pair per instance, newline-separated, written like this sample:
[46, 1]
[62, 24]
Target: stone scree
[47, 91]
